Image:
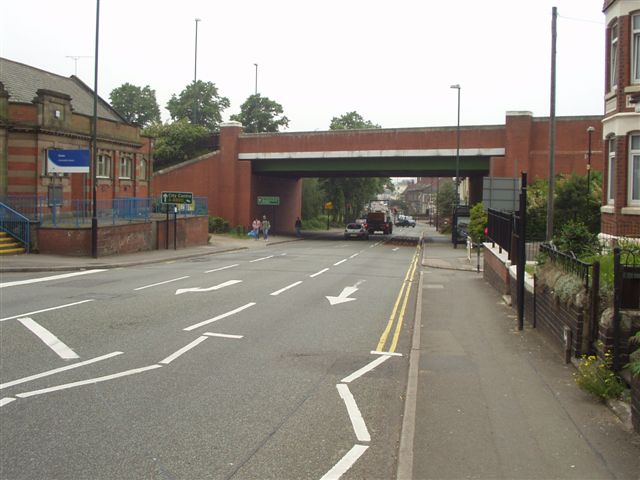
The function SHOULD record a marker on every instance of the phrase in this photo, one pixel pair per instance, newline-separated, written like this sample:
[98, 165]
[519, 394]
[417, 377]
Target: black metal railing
[500, 228]
[568, 263]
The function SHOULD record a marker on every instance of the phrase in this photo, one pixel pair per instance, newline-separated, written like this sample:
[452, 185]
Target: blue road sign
[68, 161]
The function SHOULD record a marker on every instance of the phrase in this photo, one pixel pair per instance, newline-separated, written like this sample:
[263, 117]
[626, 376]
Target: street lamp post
[195, 76]
[94, 141]
[457, 87]
[256, 90]
[590, 131]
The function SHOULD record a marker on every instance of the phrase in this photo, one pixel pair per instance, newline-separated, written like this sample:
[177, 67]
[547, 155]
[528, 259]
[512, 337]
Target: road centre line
[260, 259]
[6, 400]
[54, 277]
[50, 340]
[340, 262]
[367, 368]
[355, 255]
[278, 292]
[219, 317]
[319, 273]
[183, 350]
[222, 268]
[87, 382]
[58, 370]
[161, 283]
[46, 310]
[359, 427]
[345, 463]
[223, 335]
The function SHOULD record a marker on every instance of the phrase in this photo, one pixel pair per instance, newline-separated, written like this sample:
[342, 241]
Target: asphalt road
[287, 362]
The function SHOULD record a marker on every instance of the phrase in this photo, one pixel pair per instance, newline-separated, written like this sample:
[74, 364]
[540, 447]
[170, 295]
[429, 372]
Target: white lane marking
[278, 292]
[6, 400]
[46, 310]
[395, 249]
[354, 255]
[345, 463]
[219, 317]
[223, 335]
[161, 283]
[359, 427]
[87, 382]
[260, 259]
[343, 297]
[374, 245]
[319, 273]
[53, 342]
[58, 370]
[210, 289]
[183, 350]
[375, 352]
[222, 268]
[433, 286]
[338, 263]
[367, 368]
[54, 277]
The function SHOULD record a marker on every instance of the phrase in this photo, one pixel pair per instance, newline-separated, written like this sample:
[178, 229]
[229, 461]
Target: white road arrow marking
[210, 289]
[344, 295]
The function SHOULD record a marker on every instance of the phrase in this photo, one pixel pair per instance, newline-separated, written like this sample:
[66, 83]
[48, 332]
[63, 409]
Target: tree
[445, 199]
[135, 104]
[351, 121]
[259, 114]
[312, 198]
[176, 142]
[477, 223]
[200, 103]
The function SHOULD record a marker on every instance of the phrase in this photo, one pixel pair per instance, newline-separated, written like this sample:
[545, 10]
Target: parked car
[356, 230]
[406, 222]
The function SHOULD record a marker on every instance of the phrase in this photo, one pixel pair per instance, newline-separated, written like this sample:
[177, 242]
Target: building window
[611, 172]
[126, 168]
[613, 56]
[634, 170]
[143, 169]
[635, 48]
[103, 166]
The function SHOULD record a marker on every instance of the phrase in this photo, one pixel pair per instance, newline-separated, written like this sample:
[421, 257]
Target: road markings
[374, 352]
[367, 368]
[58, 370]
[222, 268]
[433, 286]
[344, 295]
[345, 463]
[359, 427]
[46, 310]
[260, 259]
[54, 277]
[88, 382]
[340, 262]
[210, 289]
[223, 335]
[395, 249]
[183, 350]
[319, 273]
[53, 342]
[355, 255]
[219, 317]
[278, 292]
[5, 401]
[161, 283]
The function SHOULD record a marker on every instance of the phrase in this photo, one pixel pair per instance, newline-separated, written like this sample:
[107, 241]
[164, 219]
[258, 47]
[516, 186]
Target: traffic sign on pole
[180, 198]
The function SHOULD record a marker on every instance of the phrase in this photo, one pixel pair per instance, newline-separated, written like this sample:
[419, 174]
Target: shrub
[218, 225]
[575, 237]
[594, 375]
[477, 223]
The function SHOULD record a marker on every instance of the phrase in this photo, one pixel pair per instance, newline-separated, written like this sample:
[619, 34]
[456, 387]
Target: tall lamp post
[457, 87]
[256, 90]
[195, 75]
[590, 131]
[94, 141]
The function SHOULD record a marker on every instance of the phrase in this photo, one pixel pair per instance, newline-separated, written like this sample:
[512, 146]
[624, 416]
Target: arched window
[126, 167]
[142, 171]
[103, 166]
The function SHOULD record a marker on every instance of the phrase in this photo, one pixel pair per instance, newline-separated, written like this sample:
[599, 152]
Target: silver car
[356, 230]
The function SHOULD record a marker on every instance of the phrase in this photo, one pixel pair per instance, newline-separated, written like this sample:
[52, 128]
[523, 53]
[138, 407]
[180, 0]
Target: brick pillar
[518, 131]
[233, 179]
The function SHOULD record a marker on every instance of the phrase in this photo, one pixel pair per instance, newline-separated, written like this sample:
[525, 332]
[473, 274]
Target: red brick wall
[495, 272]
[191, 232]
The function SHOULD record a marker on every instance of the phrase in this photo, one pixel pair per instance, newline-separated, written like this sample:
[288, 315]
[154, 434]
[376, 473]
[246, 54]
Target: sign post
[175, 199]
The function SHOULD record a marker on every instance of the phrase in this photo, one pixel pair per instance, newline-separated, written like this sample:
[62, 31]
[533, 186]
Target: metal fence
[500, 228]
[568, 263]
[15, 224]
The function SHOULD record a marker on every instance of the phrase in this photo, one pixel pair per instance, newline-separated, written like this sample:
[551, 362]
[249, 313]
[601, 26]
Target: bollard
[568, 337]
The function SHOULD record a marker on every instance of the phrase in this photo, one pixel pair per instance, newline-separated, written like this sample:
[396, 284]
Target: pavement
[484, 400]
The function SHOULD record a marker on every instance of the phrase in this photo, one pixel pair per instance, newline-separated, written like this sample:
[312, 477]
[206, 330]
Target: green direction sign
[177, 197]
[269, 201]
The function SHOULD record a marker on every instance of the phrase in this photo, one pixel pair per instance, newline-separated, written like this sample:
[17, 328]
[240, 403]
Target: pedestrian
[298, 227]
[265, 227]
[255, 225]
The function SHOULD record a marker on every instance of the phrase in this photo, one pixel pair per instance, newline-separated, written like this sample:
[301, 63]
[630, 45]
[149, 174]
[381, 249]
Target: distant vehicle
[378, 222]
[406, 222]
[356, 230]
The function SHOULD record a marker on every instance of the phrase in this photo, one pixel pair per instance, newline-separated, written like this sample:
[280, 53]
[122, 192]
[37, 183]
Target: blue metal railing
[15, 224]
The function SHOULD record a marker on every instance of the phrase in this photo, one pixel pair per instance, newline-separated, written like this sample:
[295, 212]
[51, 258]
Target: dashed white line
[340, 262]
[58, 370]
[219, 317]
[367, 368]
[355, 255]
[374, 352]
[359, 427]
[395, 249]
[319, 273]
[223, 335]
[345, 463]
[260, 259]
[183, 350]
[53, 342]
[278, 292]
[222, 268]
[53, 277]
[87, 382]
[5, 401]
[161, 283]
[46, 310]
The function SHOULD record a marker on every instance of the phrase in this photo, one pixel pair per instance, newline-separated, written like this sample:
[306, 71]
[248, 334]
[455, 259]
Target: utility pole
[552, 126]
[94, 135]
[256, 90]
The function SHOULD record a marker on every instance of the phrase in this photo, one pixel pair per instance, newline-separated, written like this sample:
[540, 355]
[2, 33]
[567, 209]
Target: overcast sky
[391, 61]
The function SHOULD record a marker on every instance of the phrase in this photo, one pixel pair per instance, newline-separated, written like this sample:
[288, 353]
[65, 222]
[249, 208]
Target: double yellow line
[397, 317]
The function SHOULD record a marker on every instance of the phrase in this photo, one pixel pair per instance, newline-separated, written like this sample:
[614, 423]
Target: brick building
[40, 110]
[621, 124]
